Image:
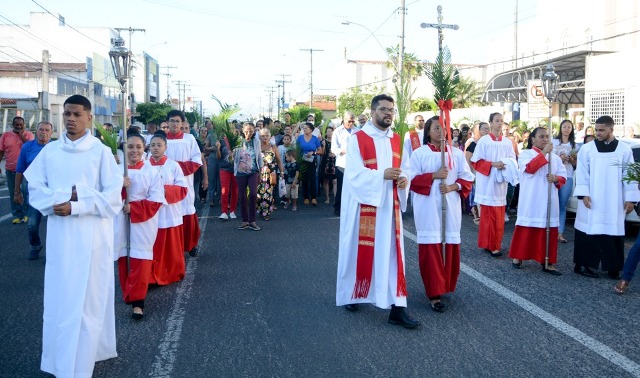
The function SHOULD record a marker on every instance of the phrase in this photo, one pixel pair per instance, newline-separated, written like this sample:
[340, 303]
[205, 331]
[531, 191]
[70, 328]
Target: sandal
[561, 239]
[137, 313]
[621, 287]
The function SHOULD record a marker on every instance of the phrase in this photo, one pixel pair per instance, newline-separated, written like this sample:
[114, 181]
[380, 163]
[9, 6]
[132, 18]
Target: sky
[237, 49]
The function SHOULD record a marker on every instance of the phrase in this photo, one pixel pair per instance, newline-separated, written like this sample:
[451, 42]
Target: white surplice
[186, 150]
[367, 186]
[79, 320]
[599, 175]
[427, 210]
[488, 191]
[408, 149]
[170, 214]
[534, 191]
[146, 184]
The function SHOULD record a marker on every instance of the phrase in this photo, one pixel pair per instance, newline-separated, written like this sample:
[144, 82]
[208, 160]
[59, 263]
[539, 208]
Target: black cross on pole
[439, 26]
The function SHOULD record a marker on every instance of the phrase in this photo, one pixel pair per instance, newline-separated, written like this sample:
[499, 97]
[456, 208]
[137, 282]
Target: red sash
[415, 140]
[367, 232]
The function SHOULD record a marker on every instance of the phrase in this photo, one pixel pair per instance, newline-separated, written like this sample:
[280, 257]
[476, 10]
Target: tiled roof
[37, 66]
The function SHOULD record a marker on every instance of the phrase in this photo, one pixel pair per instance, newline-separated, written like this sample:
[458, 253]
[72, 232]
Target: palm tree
[469, 93]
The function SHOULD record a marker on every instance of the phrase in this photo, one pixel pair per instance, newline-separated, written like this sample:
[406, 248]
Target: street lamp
[120, 62]
[550, 89]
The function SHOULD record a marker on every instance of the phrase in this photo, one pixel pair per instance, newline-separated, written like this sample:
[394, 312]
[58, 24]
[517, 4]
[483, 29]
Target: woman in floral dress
[328, 166]
[268, 176]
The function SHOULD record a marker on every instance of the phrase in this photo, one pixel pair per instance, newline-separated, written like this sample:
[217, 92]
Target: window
[608, 102]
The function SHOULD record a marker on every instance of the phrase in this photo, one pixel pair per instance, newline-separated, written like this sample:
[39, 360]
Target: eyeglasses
[351, 121]
[165, 127]
[174, 121]
[387, 110]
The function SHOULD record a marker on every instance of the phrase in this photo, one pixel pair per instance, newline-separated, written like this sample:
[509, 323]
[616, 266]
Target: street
[263, 304]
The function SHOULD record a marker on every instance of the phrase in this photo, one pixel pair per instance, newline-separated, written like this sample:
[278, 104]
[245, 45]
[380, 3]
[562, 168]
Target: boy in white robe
[76, 182]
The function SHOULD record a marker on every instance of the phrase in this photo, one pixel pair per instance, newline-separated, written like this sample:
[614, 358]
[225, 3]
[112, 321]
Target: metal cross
[439, 26]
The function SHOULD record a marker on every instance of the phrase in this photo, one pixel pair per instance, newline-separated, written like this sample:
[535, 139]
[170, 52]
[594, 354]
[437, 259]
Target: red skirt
[168, 256]
[191, 230]
[491, 227]
[529, 243]
[439, 278]
[135, 282]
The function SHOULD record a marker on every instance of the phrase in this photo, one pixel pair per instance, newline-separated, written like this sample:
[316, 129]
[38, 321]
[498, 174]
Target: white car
[632, 217]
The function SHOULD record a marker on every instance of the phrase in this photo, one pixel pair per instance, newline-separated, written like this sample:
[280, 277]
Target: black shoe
[34, 254]
[516, 265]
[353, 307]
[614, 274]
[194, 252]
[584, 271]
[398, 316]
[437, 306]
[137, 316]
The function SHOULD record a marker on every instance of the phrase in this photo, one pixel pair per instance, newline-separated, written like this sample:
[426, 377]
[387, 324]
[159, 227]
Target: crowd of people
[138, 207]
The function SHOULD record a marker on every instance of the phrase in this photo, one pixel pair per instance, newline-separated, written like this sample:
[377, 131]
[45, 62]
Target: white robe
[367, 186]
[170, 215]
[488, 191]
[407, 149]
[427, 210]
[183, 150]
[599, 175]
[534, 191]
[79, 319]
[146, 184]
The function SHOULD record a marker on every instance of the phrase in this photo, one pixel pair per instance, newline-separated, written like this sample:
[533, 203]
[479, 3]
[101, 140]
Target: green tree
[152, 112]
[423, 104]
[193, 118]
[299, 113]
[468, 94]
[357, 99]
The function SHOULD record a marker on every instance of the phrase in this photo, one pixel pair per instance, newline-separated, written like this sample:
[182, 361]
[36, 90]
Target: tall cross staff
[440, 26]
[550, 88]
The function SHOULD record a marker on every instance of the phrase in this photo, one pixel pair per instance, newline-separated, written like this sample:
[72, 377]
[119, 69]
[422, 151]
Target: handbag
[282, 187]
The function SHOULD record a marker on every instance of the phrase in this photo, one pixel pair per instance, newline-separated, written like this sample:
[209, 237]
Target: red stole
[415, 140]
[367, 232]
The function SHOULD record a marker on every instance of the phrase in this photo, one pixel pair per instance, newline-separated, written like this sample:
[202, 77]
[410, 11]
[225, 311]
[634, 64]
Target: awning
[511, 86]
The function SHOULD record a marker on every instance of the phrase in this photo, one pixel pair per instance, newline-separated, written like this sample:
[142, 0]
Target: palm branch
[443, 75]
[109, 139]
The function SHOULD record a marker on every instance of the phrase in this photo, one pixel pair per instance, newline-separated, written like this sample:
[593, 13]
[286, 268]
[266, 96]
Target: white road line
[4, 197]
[596, 346]
[6, 216]
[167, 349]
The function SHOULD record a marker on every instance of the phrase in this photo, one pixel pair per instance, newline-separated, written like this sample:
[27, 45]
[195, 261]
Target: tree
[469, 93]
[193, 118]
[357, 99]
[299, 113]
[152, 112]
[423, 104]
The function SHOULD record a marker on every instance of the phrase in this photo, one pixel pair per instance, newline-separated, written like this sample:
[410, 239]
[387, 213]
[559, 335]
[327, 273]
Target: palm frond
[443, 75]
[109, 139]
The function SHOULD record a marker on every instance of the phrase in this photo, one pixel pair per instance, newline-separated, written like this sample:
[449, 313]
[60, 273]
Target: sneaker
[223, 216]
[243, 226]
[286, 205]
[25, 219]
[295, 208]
[506, 218]
[254, 226]
[314, 202]
[194, 252]
[16, 221]
[306, 201]
[232, 215]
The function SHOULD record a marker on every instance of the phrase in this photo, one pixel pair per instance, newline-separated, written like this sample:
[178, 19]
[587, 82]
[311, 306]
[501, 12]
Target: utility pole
[180, 98]
[131, 31]
[270, 91]
[311, 73]
[281, 82]
[515, 36]
[168, 75]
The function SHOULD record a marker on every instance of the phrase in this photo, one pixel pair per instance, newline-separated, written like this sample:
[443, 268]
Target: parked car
[632, 217]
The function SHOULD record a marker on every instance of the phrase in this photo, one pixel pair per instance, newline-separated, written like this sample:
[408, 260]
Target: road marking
[4, 197]
[596, 346]
[167, 349]
[6, 216]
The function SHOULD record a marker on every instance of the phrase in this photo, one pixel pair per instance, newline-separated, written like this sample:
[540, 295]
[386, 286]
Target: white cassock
[534, 192]
[146, 184]
[185, 151]
[488, 191]
[599, 175]
[428, 209]
[407, 150]
[366, 186]
[79, 319]
[170, 215]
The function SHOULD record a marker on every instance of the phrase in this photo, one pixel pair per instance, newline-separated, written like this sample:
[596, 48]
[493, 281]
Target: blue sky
[236, 49]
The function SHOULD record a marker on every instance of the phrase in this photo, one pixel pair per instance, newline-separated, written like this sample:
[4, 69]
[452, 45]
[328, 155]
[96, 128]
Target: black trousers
[339, 178]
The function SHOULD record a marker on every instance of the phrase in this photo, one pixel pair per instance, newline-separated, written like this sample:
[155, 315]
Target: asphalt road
[263, 304]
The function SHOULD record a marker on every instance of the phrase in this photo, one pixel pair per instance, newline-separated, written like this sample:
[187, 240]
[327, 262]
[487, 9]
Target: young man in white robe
[183, 149]
[490, 194]
[75, 181]
[604, 199]
[530, 236]
[413, 139]
[429, 182]
[371, 247]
